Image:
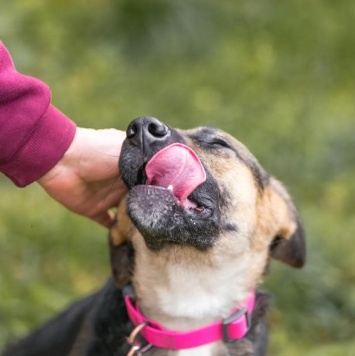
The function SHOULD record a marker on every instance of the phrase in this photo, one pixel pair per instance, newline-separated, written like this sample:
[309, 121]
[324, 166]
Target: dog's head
[203, 190]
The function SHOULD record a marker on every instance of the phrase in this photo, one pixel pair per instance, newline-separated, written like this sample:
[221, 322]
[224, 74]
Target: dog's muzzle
[172, 197]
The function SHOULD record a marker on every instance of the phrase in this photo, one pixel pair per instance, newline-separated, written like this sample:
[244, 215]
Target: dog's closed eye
[217, 142]
[214, 142]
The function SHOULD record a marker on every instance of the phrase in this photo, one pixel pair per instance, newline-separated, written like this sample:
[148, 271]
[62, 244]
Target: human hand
[86, 180]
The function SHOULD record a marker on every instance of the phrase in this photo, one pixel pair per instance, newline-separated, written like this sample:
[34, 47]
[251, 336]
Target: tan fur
[123, 227]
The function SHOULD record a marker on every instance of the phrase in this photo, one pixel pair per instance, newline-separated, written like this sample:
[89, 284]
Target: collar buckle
[231, 319]
[136, 346]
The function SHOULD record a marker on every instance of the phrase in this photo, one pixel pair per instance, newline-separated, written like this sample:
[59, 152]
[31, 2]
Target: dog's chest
[241, 348]
[202, 350]
[206, 350]
[189, 297]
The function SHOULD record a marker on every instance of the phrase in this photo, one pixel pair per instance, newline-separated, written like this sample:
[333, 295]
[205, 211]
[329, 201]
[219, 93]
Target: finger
[105, 219]
[114, 196]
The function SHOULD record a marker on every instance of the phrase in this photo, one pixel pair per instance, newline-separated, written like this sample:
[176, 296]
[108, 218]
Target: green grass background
[279, 75]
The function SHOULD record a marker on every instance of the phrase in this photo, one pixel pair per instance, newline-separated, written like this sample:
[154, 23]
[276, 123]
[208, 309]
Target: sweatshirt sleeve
[34, 135]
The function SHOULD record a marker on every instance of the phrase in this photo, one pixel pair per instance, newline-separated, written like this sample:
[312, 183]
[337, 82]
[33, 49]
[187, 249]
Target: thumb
[105, 219]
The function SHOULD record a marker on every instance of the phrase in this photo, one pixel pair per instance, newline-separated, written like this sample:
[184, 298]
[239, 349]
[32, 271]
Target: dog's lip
[191, 205]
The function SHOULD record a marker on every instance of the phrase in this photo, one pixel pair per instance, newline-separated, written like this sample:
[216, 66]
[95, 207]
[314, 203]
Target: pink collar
[232, 328]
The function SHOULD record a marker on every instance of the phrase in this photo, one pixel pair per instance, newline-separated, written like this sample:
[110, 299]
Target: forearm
[34, 135]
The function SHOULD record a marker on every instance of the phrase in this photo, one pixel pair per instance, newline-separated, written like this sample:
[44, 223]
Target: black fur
[56, 338]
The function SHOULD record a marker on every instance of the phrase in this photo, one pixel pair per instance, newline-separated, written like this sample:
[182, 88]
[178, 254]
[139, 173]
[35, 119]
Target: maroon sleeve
[34, 135]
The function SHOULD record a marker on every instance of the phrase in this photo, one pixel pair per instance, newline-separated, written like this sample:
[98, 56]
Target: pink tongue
[176, 167]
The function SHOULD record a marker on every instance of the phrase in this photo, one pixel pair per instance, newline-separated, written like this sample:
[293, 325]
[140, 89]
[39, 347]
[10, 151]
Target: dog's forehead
[207, 131]
[210, 134]
[202, 137]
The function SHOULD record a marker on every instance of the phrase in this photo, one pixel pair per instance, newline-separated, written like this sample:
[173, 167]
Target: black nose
[146, 131]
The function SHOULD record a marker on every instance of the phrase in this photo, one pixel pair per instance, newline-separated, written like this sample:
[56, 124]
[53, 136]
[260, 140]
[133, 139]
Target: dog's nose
[147, 130]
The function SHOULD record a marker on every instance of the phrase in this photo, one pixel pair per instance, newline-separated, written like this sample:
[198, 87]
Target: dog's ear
[288, 244]
[121, 250]
[121, 230]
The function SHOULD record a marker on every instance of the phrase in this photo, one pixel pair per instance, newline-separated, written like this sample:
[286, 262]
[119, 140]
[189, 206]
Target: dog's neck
[182, 290]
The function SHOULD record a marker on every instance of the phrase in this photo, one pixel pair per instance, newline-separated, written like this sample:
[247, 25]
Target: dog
[192, 242]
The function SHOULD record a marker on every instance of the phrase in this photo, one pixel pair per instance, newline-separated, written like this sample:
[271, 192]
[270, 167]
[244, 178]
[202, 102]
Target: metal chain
[136, 346]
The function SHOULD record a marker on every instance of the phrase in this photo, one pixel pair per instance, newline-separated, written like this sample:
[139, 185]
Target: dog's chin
[163, 220]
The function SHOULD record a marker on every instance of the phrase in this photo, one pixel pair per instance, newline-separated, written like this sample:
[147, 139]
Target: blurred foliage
[279, 75]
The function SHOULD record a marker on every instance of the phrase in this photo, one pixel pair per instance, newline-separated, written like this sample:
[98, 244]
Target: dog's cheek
[130, 161]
